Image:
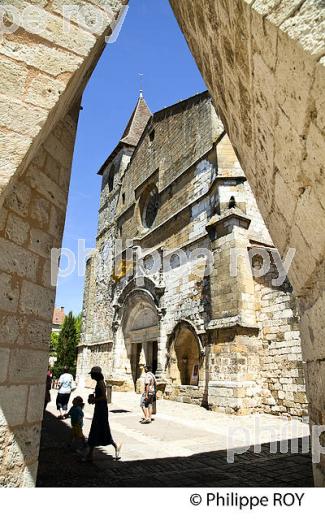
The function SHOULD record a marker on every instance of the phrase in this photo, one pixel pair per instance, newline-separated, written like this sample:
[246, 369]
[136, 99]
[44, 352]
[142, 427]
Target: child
[76, 414]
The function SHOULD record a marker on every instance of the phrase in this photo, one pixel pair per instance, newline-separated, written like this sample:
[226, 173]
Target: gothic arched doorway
[184, 355]
[140, 333]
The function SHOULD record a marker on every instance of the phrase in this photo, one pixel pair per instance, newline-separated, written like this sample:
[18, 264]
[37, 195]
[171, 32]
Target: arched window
[149, 204]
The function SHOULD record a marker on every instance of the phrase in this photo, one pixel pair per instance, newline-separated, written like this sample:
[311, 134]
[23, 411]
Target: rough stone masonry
[173, 189]
[42, 77]
[263, 63]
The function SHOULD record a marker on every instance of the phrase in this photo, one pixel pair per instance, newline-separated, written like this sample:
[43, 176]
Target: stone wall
[43, 71]
[177, 141]
[32, 220]
[42, 65]
[118, 220]
[97, 355]
[255, 355]
[263, 63]
[282, 367]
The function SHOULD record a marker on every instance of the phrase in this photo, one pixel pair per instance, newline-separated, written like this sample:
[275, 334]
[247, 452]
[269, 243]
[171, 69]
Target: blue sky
[151, 43]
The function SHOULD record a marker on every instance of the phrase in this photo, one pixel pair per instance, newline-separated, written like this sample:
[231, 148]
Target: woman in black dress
[100, 433]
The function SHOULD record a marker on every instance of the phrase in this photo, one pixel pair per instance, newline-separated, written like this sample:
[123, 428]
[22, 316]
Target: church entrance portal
[141, 333]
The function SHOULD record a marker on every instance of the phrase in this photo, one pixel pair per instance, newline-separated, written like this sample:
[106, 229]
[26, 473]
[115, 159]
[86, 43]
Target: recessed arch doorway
[140, 331]
[184, 355]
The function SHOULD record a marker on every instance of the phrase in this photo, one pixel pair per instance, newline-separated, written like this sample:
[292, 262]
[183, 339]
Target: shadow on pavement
[61, 467]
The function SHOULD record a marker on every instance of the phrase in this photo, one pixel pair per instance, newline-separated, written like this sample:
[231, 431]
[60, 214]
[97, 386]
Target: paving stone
[143, 466]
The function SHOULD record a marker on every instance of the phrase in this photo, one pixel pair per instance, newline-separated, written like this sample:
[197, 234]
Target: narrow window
[149, 203]
[111, 178]
[232, 202]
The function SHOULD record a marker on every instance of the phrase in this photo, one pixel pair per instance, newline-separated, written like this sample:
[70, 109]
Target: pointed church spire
[133, 131]
[137, 122]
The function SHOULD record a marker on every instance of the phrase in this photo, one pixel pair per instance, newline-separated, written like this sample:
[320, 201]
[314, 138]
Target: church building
[185, 276]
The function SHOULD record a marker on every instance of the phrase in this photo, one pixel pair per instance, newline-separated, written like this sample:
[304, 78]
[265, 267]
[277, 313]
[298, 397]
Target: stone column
[233, 329]
[162, 344]
[140, 380]
[147, 349]
[121, 376]
[312, 309]
[232, 285]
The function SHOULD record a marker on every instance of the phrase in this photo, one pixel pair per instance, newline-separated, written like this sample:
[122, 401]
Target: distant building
[58, 319]
[178, 218]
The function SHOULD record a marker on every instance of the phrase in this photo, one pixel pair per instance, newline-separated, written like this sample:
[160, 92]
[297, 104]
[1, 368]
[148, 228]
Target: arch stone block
[42, 77]
[263, 62]
[47, 55]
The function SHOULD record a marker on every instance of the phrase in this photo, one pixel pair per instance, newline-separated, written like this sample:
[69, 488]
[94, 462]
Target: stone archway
[184, 352]
[136, 340]
[185, 367]
[248, 54]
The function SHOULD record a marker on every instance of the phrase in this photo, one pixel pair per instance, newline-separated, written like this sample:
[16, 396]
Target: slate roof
[137, 123]
[133, 131]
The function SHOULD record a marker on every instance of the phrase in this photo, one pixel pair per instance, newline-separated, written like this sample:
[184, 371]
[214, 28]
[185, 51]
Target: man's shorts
[146, 402]
[62, 401]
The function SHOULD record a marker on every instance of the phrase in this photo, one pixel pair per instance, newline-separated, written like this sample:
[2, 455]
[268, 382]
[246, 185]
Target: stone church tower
[185, 276]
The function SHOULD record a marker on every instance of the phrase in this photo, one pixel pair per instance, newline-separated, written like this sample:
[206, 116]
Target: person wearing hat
[77, 419]
[100, 432]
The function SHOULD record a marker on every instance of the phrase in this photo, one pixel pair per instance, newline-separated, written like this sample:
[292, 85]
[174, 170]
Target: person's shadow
[59, 466]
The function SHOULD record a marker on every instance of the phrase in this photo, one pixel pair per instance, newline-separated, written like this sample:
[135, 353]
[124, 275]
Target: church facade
[185, 276]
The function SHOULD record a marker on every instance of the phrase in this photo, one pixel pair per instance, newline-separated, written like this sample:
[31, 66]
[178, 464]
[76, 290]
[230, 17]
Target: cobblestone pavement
[185, 446]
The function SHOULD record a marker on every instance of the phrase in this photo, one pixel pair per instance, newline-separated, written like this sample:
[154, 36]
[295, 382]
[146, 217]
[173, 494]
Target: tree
[54, 343]
[78, 326]
[67, 345]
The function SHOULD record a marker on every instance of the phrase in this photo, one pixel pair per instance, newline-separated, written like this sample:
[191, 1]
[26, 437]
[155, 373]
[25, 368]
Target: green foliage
[78, 325]
[54, 343]
[66, 350]
[57, 371]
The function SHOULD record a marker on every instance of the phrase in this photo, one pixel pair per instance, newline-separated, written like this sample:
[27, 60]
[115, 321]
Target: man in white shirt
[66, 385]
[148, 395]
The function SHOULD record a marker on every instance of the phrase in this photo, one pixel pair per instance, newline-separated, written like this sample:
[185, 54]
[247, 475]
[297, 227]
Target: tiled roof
[58, 316]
